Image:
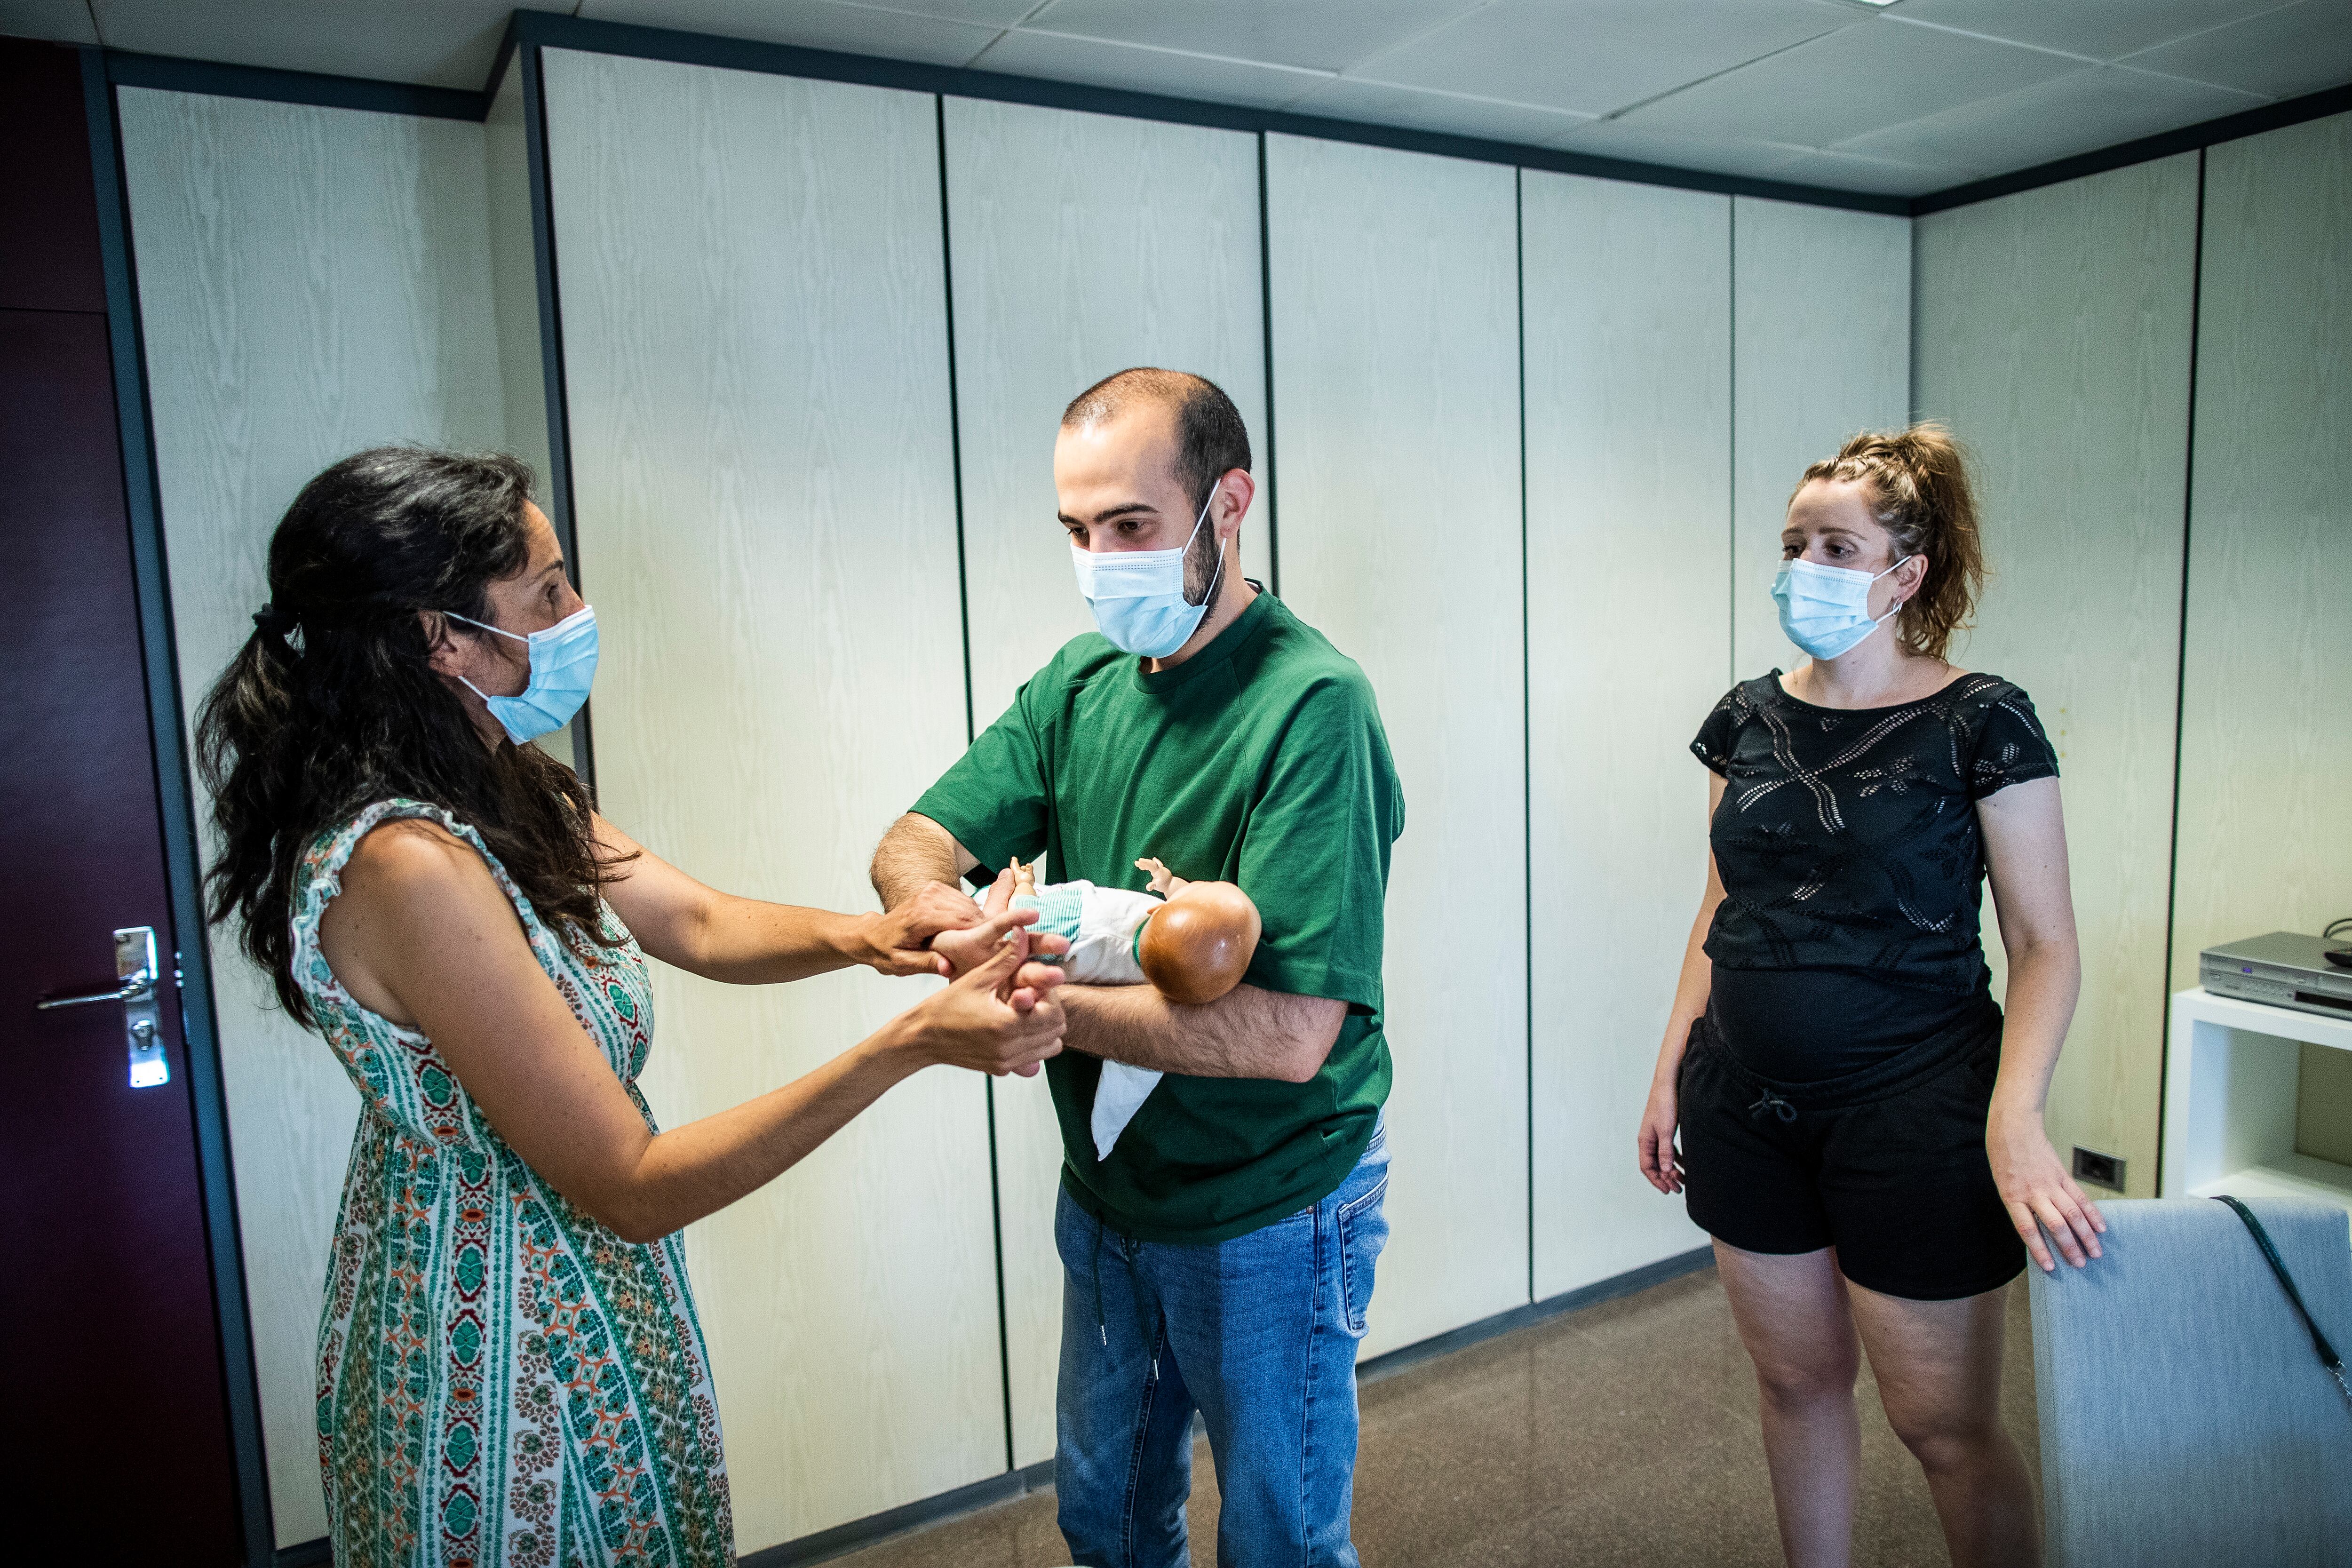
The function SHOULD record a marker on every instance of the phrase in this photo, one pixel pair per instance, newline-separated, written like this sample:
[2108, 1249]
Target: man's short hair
[1211, 438]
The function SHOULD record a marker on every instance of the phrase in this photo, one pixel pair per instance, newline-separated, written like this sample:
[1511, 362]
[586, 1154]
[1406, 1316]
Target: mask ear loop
[502, 631]
[1219, 575]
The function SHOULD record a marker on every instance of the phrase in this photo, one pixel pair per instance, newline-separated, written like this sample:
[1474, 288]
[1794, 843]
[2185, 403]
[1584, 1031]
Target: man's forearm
[916, 851]
[1246, 1033]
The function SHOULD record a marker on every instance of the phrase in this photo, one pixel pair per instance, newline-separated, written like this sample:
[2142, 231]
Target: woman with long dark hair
[510, 1368]
[1861, 1123]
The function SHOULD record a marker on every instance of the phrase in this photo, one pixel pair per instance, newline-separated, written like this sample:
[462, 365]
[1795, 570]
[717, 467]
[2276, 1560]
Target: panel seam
[2180, 660]
[963, 618]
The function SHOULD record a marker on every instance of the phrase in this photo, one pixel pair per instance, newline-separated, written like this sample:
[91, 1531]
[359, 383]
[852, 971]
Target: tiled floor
[1624, 1434]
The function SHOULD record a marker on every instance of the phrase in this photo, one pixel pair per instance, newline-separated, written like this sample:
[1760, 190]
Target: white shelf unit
[2229, 1092]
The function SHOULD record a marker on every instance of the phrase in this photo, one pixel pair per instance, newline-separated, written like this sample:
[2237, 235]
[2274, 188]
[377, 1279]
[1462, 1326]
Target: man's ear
[1235, 490]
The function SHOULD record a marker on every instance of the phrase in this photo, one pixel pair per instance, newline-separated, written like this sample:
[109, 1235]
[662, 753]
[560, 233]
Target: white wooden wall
[1821, 349]
[2053, 334]
[755, 332]
[1080, 245]
[313, 282]
[1395, 389]
[756, 291]
[1628, 302]
[2264, 746]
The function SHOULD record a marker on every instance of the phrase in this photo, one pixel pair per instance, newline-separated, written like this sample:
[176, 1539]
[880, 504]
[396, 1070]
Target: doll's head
[1197, 945]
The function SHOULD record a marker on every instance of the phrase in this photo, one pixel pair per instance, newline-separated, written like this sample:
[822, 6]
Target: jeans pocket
[1363, 1234]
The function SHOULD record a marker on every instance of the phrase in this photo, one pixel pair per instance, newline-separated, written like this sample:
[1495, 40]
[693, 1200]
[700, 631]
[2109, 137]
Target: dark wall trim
[294, 87]
[176, 796]
[1536, 1312]
[2164, 144]
[824, 65]
[526, 29]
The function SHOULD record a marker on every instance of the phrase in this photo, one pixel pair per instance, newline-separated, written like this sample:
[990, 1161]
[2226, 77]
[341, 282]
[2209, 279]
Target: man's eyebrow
[1125, 509]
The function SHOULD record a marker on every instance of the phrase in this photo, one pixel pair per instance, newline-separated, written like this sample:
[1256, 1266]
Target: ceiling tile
[1616, 138]
[1849, 83]
[65, 21]
[1058, 58]
[1879, 176]
[1382, 104]
[441, 42]
[2079, 113]
[814, 24]
[1595, 55]
[2283, 53]
[1320, 34]
[2099, 29]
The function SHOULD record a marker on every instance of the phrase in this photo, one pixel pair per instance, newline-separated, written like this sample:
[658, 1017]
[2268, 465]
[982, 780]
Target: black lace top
[1853, 868]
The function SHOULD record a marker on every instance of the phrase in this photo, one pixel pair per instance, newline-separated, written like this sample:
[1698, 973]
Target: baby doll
[1192, 947]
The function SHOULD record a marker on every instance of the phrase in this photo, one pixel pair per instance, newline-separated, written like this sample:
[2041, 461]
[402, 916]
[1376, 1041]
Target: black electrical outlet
[2099, 1169]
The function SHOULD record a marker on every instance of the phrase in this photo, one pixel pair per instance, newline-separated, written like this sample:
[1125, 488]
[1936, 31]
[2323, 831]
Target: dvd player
[2285, 969]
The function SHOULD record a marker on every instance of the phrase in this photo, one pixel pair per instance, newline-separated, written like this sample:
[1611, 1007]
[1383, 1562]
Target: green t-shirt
[1259, 760]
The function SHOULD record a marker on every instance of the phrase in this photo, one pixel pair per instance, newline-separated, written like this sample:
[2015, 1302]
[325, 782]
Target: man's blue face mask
[562, 667]
[1138, 595]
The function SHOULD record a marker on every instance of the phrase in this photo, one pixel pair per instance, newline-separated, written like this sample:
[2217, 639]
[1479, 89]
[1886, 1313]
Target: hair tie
[276, 620]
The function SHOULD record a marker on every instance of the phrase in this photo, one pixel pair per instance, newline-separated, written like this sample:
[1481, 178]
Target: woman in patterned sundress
[509, 1369]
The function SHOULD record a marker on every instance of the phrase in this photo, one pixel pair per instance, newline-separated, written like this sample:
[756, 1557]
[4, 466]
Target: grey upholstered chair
[2186, 1419]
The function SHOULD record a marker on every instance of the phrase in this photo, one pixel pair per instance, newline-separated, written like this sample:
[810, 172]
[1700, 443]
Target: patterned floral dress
[503, 1383]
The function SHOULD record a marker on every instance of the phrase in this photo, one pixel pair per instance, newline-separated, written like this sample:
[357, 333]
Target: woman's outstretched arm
[747, 942]
[2025, 857]
[421, 934]
[1654, 1143]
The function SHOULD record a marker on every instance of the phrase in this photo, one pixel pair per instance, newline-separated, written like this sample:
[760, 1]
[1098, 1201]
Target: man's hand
[900, 941]
[958, 952]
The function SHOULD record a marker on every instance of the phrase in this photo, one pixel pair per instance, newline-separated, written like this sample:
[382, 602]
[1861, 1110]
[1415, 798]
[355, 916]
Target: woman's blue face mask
[562, 667]
[1825, 610]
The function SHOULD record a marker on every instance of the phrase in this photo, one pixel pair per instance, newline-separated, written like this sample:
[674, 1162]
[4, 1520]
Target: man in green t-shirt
[1220, 1257]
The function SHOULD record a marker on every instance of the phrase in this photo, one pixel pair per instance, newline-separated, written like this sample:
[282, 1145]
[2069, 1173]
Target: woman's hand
[899, 941]
[959, 951]
[998, 1017]
[1654, 1143]
[2034, 1186]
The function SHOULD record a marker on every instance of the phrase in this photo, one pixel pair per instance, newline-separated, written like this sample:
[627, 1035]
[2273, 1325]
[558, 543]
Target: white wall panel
[2052, 336]
[312, 281]
[755, 337]
[1395, 370]
[1081, 244]
[1628, 301]
[2265, 747]
[1820, 348]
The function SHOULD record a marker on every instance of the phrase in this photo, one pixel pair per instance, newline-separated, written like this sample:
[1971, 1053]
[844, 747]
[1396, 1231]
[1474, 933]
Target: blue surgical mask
[1138, 595]
[1825, 610]
[562, 667]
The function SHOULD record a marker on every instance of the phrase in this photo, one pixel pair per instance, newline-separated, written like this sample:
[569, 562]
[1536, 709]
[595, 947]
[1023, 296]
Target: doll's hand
[1164, 882]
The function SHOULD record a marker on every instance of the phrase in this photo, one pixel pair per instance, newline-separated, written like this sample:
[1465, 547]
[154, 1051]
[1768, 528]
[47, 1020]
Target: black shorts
[1887, 1164]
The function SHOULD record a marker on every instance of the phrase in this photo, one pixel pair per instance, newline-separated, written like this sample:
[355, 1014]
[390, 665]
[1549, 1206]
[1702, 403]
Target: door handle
[134, 961]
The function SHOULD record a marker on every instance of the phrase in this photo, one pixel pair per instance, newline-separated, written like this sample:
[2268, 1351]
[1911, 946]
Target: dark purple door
[117, 1439]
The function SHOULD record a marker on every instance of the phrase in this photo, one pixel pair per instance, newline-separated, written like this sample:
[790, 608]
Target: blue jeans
[1259, 1334]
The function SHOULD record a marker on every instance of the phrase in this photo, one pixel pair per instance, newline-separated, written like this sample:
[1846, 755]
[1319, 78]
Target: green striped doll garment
[503, 1382]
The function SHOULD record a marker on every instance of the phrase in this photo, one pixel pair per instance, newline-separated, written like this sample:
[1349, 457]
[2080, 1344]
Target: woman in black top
[1861, 1126]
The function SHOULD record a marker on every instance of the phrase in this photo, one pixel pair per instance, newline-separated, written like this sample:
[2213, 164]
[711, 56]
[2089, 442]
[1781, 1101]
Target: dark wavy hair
[331, 705]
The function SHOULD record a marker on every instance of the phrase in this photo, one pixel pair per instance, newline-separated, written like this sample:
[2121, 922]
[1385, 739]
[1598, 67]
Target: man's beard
[1201, 559]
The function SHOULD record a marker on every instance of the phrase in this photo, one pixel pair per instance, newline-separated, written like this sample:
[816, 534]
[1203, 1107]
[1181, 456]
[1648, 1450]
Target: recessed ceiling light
[1873, 5]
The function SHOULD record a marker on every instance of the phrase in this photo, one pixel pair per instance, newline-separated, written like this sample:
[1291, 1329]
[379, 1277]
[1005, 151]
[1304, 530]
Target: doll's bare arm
[1164, 882]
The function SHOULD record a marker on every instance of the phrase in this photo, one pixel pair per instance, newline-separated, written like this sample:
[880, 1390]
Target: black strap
[2327, 1356]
